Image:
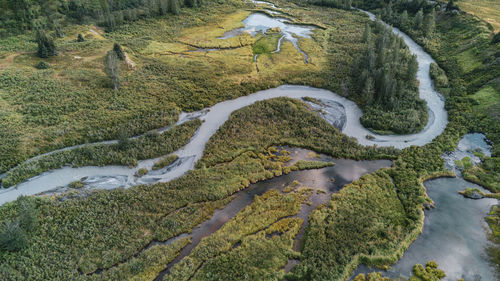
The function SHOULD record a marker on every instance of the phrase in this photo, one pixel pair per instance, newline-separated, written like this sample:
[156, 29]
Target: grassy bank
[262, 124]
[126, 152]
[266, 238]
[486, 10]
[106, 228]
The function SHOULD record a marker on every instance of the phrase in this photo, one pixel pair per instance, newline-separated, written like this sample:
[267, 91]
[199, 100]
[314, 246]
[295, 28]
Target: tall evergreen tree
[119, 51]
[429, 24]
[419, 18]
[174, 7]
[46, 45]
[404, 19]
[367, 34]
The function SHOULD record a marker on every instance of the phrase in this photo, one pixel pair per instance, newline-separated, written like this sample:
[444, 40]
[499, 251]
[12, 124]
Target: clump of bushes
[42, 65]
[141, 172]
[76, 185]
[420, 273]
[165, 161]
[14, 232]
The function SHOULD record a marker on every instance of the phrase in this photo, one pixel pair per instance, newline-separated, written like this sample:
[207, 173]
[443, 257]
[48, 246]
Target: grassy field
[72, 101]
[487, 10]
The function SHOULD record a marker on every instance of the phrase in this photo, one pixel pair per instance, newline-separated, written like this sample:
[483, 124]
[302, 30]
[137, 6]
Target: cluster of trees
[383, 80]
[341, 4]
[31, 14]
[34, 14]
[385, 74]
[418, 16]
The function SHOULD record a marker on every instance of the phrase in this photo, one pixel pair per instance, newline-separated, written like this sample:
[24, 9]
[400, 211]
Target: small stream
[261, 23]
[345, 171]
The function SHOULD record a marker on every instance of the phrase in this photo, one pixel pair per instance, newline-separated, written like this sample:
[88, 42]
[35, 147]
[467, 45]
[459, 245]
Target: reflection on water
[261, 23]
[344, 172]
[468, 144]
[454, 235]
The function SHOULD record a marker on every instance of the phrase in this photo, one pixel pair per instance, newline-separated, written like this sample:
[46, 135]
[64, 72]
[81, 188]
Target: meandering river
[215, 116]
[457, 242]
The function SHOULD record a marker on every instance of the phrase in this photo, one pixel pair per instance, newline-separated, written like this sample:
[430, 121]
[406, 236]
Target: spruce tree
[174, 7]
[119, 51]
[404, 19]
[190, 3]
[27, 214]
[12, 236]
[429, 24]
[46, 45]
[419, 18]
[367, 34]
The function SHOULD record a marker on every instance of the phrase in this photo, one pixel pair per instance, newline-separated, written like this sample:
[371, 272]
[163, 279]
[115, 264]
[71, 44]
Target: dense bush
[263, 124]
[42, 65]
[15, 231]
[165, 161]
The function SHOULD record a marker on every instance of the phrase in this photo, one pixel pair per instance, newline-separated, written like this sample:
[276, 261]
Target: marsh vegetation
[123, 233]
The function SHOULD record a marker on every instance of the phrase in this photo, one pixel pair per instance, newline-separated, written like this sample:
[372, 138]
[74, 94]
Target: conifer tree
[419, 18]
[46, 45]
[429, 24]
[367, 34]
[119, 51]
[174, 7]
[404, 19]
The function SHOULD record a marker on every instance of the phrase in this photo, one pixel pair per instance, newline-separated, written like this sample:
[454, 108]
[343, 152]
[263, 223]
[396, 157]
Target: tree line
[18, 15]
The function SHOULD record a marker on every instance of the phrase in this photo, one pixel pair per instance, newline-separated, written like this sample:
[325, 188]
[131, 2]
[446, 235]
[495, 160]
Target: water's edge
[215, 116]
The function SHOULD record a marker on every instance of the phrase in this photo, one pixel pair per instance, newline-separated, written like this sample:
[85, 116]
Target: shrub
[165, 161]
[42, 65]
[141, 172]
[76, 185]
[27, 213]
[12, 237]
